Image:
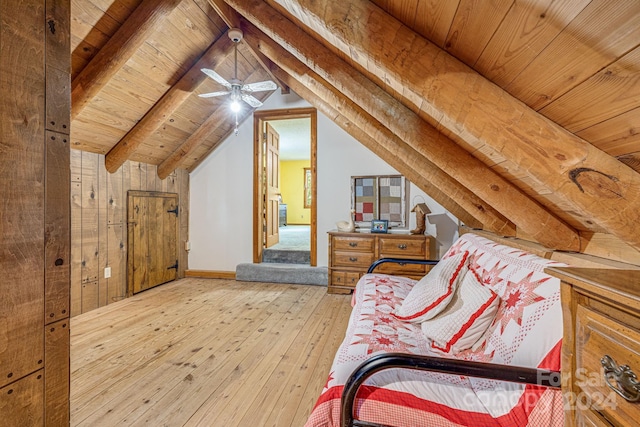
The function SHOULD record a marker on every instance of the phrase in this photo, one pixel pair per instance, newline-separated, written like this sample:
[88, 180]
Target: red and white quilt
[525, 332]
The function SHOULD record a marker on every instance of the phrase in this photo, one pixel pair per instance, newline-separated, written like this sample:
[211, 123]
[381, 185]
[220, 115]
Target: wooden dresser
[351, 254]
[601, 346]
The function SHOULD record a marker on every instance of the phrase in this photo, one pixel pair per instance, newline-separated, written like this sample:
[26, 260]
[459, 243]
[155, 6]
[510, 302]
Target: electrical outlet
[107, 272]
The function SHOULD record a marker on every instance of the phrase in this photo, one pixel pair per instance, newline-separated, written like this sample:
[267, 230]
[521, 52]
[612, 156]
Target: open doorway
[282, 210]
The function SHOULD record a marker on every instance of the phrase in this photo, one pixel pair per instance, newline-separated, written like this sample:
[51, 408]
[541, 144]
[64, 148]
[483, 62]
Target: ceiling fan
[237, 90]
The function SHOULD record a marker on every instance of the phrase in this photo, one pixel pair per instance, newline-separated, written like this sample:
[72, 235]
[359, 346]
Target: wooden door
[152, 239]
[273, 186]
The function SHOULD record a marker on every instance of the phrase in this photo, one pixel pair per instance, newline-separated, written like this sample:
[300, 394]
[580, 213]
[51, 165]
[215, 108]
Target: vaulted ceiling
[519, 117]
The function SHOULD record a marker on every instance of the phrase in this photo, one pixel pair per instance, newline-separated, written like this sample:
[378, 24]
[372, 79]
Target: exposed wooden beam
[232, 19]
[452, 95]
[467, 206]
[169, 103]
[228, 15]
[117, 51]
[434, 185]
[507, 199]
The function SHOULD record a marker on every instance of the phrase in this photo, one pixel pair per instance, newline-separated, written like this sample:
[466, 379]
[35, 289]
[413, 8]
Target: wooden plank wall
[34, 210]
[99, 228]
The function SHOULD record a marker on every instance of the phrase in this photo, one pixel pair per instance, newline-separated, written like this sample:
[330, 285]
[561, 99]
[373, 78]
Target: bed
[387, 372]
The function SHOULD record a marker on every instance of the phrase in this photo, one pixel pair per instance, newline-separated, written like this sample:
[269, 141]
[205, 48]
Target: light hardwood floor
[205, 352]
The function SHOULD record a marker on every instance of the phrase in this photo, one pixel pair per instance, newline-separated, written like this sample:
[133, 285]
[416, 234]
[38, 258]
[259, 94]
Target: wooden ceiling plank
[592, 41]
[444, 153]
[198, 20]
[180, 43]
[527, 29]
[433, 19]
[188, 30]
[616, 87]
[88, 18]
[568, 165]
[404, 10]
[473, 25]
[138, 83]
[110, 110]
[169, 103]
[156, 66]
[124, 43]
[617, 136]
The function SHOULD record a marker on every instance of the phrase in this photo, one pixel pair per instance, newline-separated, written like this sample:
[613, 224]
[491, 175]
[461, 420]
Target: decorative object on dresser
[347, 226]
[601, 345]
[350, 254]
[379, 226]
[421, 210]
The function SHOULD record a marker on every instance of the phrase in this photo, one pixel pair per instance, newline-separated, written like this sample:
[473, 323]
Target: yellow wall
[292, 190]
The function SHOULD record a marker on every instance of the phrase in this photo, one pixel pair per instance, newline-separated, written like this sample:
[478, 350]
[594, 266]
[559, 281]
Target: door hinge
[264, 137]
[174, 210]
[174, 266]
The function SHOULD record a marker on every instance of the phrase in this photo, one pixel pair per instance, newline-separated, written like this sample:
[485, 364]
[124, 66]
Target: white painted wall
[221, 194]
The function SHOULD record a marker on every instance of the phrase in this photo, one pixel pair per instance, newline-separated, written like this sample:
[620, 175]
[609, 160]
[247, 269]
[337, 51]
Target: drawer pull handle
[621, 379]
[353, 259]
[402, 246]
[353, 244]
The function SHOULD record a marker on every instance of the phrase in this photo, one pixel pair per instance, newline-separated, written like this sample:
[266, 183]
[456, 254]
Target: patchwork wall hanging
[379, 197]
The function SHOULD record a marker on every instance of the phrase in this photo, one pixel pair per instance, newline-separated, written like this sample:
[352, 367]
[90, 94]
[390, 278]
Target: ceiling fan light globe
[235, 106]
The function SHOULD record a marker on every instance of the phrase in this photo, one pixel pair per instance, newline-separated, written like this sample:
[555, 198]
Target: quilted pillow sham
[431, 294]
[461, 324]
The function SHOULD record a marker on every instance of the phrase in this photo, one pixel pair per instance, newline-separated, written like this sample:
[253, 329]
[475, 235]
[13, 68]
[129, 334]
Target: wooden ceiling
[521, 118]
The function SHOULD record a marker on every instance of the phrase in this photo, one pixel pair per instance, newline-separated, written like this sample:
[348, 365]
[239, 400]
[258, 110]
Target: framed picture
[379, 225]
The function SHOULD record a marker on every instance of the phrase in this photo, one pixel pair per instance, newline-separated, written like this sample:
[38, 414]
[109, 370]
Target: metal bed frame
[380, 362]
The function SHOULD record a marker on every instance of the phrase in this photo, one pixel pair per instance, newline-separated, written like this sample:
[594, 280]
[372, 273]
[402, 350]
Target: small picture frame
[379, 225]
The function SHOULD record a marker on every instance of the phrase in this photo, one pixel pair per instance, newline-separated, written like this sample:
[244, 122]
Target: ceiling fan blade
[217, 77]
[260, 86]
[255, 103]
[212, 94]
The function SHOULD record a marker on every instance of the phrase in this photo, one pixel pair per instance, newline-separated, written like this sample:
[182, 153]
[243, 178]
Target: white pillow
[431, 294]
[460, 325]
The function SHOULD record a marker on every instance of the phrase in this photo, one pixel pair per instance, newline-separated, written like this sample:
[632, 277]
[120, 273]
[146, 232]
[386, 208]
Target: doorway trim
[259, 118]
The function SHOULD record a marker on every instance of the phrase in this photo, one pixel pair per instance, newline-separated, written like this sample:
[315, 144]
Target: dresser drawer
[352, 259]
[598, 335]
[359, 244]
[343, 282]
[398, 247]
[402, 270]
